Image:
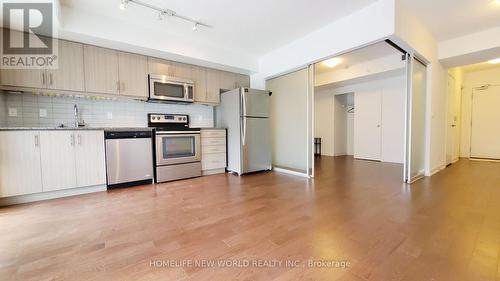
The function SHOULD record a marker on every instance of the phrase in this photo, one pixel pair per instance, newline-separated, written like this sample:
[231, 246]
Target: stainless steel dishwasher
[129, 157]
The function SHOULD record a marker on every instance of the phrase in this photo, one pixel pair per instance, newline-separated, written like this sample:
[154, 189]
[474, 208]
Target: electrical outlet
[43, 112]
[109, 115]
[12, 112]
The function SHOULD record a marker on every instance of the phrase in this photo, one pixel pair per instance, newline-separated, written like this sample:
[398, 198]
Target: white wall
[324, 121]
[471, 80]
[393, 117]
[372, 23]
[289, 120]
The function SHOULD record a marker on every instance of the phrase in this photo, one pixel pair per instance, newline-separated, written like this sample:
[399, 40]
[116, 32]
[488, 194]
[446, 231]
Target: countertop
[74, 129]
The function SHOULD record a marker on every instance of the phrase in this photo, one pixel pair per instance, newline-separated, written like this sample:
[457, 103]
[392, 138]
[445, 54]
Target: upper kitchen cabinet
[242, 81]
[70, 71]
[133, 73]
[213, 86]
[200, 84]
[159, 66]
[101, 70]
[181, 70]
[227, 81]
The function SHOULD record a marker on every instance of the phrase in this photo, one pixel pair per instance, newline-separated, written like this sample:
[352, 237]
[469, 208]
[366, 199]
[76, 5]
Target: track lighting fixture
[123, 4]
[162, 13]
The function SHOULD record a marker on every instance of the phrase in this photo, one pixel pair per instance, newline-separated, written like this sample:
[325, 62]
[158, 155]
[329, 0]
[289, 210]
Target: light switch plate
[12, 112]
[109, 115]
[43, 112]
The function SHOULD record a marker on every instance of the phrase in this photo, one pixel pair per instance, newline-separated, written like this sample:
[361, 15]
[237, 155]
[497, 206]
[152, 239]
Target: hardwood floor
[442, 228]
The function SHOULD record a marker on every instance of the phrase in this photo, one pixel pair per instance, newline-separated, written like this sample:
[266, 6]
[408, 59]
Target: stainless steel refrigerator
[246, 115]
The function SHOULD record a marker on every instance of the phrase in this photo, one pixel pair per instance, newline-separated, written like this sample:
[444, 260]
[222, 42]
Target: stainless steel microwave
[170, 89]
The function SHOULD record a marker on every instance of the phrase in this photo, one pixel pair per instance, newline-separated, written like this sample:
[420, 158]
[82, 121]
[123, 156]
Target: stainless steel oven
[170, 89]
[177, 147]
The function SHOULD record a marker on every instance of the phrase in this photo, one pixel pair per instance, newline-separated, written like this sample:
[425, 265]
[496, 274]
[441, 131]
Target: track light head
[123, 4]
[195, 26]
[161, 15]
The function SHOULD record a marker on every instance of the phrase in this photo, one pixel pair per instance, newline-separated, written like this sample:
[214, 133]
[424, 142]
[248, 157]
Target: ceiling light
[495, 61]
[333, 62]
[123, 4]
[195, 26]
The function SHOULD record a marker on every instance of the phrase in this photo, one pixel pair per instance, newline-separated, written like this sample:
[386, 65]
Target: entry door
[485, 131]
[452, 150]
[367, 125]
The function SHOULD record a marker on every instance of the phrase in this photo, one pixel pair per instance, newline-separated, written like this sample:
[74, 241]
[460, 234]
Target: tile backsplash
[29, 110]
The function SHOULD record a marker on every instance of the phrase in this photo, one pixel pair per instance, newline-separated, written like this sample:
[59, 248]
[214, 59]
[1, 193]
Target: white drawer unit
[213, 151]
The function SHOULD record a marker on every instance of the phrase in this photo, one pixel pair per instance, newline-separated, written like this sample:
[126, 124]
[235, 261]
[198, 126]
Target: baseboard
[50, 195]
[290, 172]
[436, 170]
[213, 172]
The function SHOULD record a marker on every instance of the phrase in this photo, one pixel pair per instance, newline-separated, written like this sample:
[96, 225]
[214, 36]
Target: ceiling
[251, 27]
[451, 18]
[371, 52]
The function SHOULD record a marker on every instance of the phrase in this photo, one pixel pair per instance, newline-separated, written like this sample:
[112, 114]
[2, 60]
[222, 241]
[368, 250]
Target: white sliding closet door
[289, 121]
[367, 125]
[485, 131]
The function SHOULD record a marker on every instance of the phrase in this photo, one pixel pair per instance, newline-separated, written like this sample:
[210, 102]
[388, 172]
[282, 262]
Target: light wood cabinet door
[182, 70]
[213, 86]
[242, 81]
[32, 78]
[200, 84]
[58, 160]
[101, 70]
[227, 81]
[90, 158]
[161, 67]
[20, 166]
[133, 73]
[70, 71]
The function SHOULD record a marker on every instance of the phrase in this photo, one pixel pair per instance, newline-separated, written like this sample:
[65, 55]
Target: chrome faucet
[77, 116]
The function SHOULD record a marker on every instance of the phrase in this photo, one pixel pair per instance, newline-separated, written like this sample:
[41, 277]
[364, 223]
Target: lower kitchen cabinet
[213, 151]
[90, 159]
[58, 160]
[20, 164]
[42, 161]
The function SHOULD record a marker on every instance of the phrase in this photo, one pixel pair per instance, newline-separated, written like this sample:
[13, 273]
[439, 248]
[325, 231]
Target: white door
[20, 171]
[453, 144]
[485, 131]
[367, 125]
[90, 158]
[58, 160]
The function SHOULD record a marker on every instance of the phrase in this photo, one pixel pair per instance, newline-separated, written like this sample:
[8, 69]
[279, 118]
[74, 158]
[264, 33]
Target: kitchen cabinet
[101, 70]
[20, 164]
[242, 81]
[227, 81]
[213, 151]
[133, 73]
[70, 70]
[200, 84]
[58, 160]
[159, 66]
[181, 70]
[212, 86]
[90, 158]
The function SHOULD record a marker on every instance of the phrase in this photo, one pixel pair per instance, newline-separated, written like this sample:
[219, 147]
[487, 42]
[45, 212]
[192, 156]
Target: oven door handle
[177, 133]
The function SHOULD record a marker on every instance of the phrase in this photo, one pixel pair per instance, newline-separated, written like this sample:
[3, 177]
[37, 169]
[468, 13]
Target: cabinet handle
[122, 89]
[72, 140]
[118, 86]
[43, 78]
[50, 79]
[37, 142]
[80, 139]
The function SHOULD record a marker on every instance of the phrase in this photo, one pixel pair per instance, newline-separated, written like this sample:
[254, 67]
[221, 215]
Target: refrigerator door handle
[243, 130]
[243, 103]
